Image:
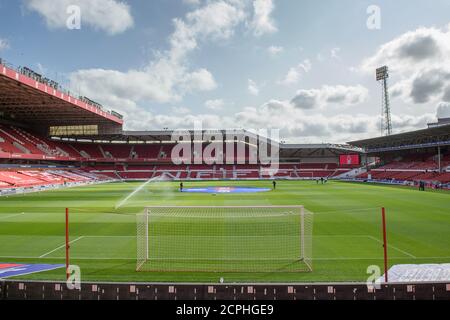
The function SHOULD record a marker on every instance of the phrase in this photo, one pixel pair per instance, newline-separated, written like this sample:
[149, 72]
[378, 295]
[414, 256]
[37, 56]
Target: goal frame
[302, 237]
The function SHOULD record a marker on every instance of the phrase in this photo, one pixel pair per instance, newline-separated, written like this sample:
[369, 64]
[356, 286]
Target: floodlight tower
[386, 122]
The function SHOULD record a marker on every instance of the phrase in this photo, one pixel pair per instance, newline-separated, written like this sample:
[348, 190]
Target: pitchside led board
[349, 159]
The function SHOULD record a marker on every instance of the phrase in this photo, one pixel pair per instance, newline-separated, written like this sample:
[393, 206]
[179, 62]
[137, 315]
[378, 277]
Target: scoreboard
[349, 159]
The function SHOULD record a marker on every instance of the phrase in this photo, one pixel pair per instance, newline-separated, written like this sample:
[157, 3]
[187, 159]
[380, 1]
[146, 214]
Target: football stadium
[317, 219]
[92, 210]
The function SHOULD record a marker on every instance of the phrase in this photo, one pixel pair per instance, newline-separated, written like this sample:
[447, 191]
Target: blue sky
[305, 67]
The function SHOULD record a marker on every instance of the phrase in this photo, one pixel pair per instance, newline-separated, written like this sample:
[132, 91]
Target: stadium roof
[165, 136]
[431, 137]
[338, 147]
[29, 98]
[289, 151]
[159, 136]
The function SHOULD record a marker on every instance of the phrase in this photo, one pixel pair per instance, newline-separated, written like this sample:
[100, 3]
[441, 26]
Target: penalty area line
[12, 215]
[60, 247]
[394, 247]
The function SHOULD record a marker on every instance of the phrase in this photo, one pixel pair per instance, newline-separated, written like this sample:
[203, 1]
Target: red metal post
[67, 244]
[383, 214]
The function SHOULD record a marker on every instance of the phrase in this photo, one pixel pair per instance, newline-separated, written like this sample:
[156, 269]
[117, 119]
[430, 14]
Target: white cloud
[216, 20]
[294, 74]
[168, 78]
[215, 105]
[200, 80]
[134, 85]
[253, 87]
[275, 50]
[4, 44]
[338, 95]
[111, 16]
[405, 122]
[180, 110]
[295, 125]
[293, 121]
[419, 62]
[262, 21]
[306, 99]
[413, 50]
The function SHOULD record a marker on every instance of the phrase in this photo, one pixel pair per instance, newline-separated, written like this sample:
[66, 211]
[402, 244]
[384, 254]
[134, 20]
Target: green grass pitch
[346, 236]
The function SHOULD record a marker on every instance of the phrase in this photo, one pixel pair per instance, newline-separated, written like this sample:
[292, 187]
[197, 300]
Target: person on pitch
[421, 186]
[274, 185]
[181, 186]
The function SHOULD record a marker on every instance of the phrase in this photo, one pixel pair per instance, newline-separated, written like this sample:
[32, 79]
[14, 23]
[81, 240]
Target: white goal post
[225, 239]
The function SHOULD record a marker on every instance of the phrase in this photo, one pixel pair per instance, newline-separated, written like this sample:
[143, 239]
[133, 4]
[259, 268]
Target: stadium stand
[17, 143]
[116, 151]
[147, 152]
[89, 151]
[20, 143]
[412, 157]
[32, 178]
[31, 135]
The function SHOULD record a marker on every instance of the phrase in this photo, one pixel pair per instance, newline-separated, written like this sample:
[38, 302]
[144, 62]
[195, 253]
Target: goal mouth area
[227, 239]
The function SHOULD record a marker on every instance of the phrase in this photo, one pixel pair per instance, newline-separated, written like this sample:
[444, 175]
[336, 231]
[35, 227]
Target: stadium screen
[349, 159]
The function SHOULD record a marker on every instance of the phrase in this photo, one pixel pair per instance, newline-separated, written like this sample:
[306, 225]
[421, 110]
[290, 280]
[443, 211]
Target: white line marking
[12, 215]
[317, 259]
[60, 247]
[393, 247]
[342, 236]
[134, 259]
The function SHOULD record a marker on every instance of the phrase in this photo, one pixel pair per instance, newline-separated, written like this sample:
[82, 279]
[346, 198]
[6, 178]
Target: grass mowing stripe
[316, 259]
[348, 210]
[60, 247]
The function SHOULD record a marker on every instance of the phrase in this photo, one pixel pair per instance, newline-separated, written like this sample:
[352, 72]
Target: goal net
[225, 239]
